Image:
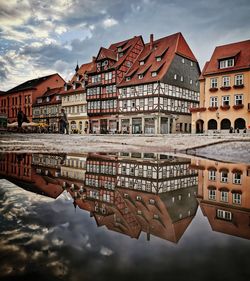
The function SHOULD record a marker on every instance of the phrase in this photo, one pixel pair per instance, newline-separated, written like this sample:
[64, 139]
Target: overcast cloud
[39, 37]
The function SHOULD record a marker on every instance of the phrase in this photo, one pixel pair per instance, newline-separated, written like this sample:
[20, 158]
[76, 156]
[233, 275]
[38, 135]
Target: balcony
[197, 109]
[238, 106]
[238, 86]
[225, 88]
[212, 90]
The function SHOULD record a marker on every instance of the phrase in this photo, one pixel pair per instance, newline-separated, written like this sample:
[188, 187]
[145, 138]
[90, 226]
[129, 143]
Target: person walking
[64, 124]
[20, 116]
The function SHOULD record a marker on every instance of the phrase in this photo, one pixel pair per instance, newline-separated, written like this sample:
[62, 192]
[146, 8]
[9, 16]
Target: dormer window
[142, 62]
[154, 73]
[47, 99]
[83, 84]
[158, 58]
[74, 86]
[58, 97]
[105, 63]
[226, 63]
[77, 78]
[119, 49]
[140, 76]
[128, 78]
[65, 87]
[39, 100]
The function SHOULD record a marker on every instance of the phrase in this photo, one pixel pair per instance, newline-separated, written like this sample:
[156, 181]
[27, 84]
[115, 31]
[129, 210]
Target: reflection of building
[35, 173]
[129, 209]
[224, 90]
[74, 100]
[47, 109]
[223, 193]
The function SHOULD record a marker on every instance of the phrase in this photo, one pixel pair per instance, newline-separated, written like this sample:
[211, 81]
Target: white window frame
[237, 178]
[212, 194]
[238, 98]
[212, 175]
[225, 81]
[239, 79]
[213, 101]
[224, 196]
[224, 178]
[214, 83]
[226, 63]
[154, 74]
[225, 215]
[237, 198]
[225, 100]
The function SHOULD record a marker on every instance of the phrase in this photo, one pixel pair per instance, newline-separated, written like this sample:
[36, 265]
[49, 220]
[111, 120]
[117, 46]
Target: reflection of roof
[30, 84]
[239, 50]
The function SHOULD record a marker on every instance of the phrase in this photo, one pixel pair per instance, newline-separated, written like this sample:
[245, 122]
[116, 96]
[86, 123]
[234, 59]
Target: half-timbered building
[156, 93]
[110, 66]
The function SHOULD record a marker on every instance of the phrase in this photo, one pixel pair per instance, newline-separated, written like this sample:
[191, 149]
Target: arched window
[212, 124]
[225, 124]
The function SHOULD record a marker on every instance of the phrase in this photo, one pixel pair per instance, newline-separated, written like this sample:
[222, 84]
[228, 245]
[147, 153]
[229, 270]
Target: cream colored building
[224, 91]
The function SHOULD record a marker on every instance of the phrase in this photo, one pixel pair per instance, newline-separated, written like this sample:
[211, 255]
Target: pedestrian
[20, 117]
[231, 130]
[238, 130]
[64, 124]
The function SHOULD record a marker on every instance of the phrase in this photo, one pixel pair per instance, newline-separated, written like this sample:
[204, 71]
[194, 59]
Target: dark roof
[239, 50]
[30, 84]
[166, 48]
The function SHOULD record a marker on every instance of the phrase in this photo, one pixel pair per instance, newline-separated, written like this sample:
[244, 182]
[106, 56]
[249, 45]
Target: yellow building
[224, 91]
[74, 100]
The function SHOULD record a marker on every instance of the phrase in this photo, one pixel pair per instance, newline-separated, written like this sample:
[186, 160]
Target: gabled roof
[203, 71]
[30, 84]
[52, 93]
[82, 70]
[166, 48]
[239, 50]
[106, 54]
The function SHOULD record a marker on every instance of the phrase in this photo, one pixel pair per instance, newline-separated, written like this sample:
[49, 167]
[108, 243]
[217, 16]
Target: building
[224, 90]
[47, 109]
[223, 195]
[110, 66]
[24, 95]
[157, 92]
[74, 100]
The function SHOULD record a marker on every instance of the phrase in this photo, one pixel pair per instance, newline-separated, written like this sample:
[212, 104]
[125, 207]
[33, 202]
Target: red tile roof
[52, 93]
[106, 54]
[203, 71]
[239, 50]
[82, 70]
[165, 47]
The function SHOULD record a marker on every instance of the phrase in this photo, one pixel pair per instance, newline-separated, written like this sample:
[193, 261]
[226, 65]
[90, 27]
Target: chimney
[93, 59]
[151, 41]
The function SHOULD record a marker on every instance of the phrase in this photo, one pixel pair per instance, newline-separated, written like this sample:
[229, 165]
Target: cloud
[109, 22]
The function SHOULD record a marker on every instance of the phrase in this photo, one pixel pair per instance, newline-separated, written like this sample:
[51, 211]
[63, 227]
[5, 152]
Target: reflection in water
[129, 193]
[139, 195]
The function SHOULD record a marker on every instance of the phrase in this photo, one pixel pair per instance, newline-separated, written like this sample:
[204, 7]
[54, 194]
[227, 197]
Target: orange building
[25, 94]
[224, 90]
[224, 196]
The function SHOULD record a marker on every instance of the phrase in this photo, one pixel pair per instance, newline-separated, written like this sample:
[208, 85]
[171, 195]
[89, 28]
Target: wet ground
[123, 216]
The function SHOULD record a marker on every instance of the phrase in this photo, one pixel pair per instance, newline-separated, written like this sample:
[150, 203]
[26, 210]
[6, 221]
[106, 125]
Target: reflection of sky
[41, 236]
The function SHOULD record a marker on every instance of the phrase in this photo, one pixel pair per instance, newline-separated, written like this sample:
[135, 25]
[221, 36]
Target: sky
[41, 37]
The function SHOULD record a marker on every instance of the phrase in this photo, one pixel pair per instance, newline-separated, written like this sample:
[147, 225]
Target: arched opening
[239, 123]
[199, 126]
[73, 126]
[80, 126]
[212, 124]
[225, 124]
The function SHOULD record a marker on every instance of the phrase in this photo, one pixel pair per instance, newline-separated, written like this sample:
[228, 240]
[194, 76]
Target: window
[140, 76]
[237, 178]
[224, 196]
[191, 63]
[133, 103]
[151, 201]
[154, 73]
[128, 78]
[150, 88]
[142, 62]
[183, 60]
[158, 58]
[213, 101]
[226, 81]
[224, 176]
[225, 100]
[236, 198]
[212, 194]
[124, 104]
[214, 82]
[226, 63]
[108, 76]
[212, 175]
[225, 215]
[238, 99]
[175, 77]
[140, 89]
[238, 79]
[182, 79]
[150, 102]
[191, 81]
